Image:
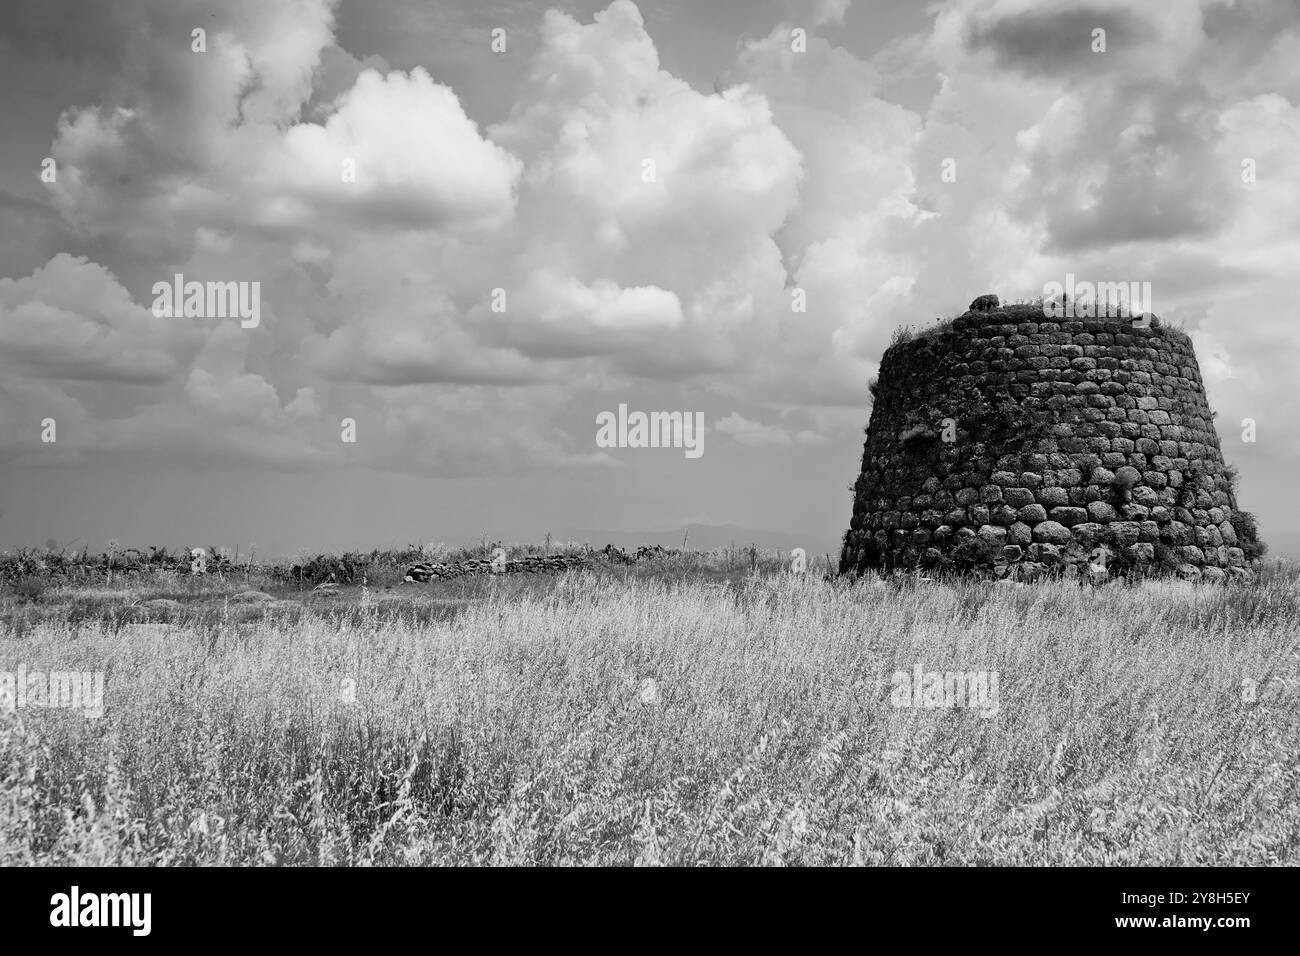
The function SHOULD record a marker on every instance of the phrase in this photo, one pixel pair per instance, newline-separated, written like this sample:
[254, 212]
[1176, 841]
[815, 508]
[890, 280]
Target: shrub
[1232, 477]
[904, 333]
[940, 326]
[1243, 523]
[30, 587]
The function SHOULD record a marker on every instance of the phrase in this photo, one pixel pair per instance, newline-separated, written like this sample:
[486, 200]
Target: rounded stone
[1125, 532]
[1017, 497]
[1052, 532]
[1142, 553]
[1089, 534]
[1127, 476]
[1146, 496]
[1101, 512]
[1032, 514]
[1069, 477]
[1002, 514]
[1053, 497]
[1068, 516]
[1021, 534]
[1046, 554]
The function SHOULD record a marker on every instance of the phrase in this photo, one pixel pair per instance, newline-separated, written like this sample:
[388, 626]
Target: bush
[1232, 478]
[30, 587]
[904, 333]
[1243, 523]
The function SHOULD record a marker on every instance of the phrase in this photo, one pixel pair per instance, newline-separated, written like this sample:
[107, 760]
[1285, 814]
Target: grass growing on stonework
[698, 714]
[1032, 309]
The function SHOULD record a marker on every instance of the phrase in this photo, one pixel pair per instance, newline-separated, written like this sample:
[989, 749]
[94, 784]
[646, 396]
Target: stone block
[1068, 516]
[1017, 497]
[1052, 532]
[1032, 514]
[1101, 512]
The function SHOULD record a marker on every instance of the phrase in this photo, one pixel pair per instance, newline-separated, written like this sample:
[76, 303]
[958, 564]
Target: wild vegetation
[683, 710]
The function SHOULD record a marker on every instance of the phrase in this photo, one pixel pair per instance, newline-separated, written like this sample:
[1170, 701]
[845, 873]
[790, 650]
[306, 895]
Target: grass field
[656, 715]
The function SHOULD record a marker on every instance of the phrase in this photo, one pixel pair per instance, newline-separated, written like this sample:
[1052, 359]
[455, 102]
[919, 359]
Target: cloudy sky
[621, 206]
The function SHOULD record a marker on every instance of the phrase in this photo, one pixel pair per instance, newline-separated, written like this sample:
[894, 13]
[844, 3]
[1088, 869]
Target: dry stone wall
[531, 564]
[1013, 438]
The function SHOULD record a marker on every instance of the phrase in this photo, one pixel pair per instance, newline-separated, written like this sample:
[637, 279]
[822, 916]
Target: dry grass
[522, 728]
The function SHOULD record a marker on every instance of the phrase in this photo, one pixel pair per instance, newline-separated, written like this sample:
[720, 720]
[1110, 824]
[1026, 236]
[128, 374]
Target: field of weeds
[711, 717]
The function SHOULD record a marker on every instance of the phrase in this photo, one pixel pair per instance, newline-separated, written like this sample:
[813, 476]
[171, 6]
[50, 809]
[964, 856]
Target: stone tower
[1014, 440]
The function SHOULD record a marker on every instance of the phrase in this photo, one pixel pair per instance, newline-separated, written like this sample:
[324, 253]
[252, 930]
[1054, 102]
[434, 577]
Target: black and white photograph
[687, 434]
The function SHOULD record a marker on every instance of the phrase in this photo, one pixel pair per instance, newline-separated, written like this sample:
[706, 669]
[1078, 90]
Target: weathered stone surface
[1053, 497]
[1052, 532]
[1017, 497]
[1032, 514]
[1020, 533]
[1143, 553]
[1068, 516]
[1047, 554]
[1127, 476]
[1125, 532]
[1089, 534]
[1143, 495]
[1068, 432]
[1101, 512]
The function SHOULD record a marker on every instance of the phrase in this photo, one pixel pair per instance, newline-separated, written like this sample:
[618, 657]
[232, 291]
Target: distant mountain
[703, 537]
